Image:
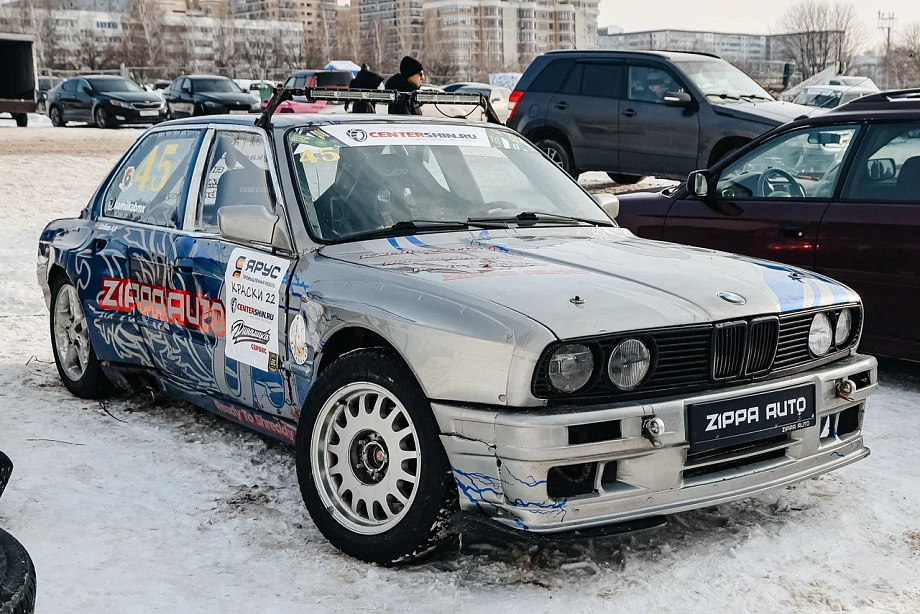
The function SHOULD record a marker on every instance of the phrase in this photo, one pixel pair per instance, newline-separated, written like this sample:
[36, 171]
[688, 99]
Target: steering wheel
[497, 206]
[764, 184]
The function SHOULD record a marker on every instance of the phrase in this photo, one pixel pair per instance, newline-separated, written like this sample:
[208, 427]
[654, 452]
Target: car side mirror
[185, 90]
[698, 184]
[253, 224]
[880, 169]
[677, 99]
[87, 90]
[609, 203]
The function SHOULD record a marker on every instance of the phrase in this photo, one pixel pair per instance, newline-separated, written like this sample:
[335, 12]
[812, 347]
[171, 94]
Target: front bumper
[502, 458]
[125, 115]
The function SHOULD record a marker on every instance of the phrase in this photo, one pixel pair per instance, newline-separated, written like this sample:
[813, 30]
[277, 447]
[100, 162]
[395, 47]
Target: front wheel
[625, 179]
[17, 577]
[76, 360]
[372, 471]
[101, 117]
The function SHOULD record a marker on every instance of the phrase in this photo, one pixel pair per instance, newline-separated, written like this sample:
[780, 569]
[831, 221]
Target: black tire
[93, 383]
[423, 528]
[56, 116]
[559, 153]
[101, 118]
[6, 470]
[625, 179]
[22, 119]
[17, 577]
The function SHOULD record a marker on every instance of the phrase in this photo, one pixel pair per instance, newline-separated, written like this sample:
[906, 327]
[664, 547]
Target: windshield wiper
[754, 97]
[724, 96]
[404, 227]
[537, 216]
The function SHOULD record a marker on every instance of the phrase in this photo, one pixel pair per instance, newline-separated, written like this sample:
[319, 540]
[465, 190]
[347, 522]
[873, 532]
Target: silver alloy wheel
[554, 155]
[100, 117]
[365, 457]
[71, 335]
[56, 119]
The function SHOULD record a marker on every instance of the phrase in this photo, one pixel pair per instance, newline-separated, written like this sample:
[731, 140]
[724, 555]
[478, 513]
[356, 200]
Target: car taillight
[513, 99]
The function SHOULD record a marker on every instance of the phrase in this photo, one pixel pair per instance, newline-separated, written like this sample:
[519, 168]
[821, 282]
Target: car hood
[227, 97]
[772, 112]
[134, 96]
[587, 281]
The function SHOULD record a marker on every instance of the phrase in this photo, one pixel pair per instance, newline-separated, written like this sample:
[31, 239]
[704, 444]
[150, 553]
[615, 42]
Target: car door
[248, 280]
[769, 201]
[180, 99]
[149, 203]
[655, 138]
[67, 98]
[83, 102]
[870, 237]
[587, 107]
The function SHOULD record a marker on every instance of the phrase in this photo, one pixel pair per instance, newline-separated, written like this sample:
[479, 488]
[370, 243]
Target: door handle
[186, 265]
[629, 113]
[791, 231]
[562, 105]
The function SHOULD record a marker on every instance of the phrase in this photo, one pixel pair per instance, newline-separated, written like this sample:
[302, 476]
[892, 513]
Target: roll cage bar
[388, 96]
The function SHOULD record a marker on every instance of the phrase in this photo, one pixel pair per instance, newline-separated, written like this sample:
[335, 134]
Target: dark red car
[837, 193]
[332, 79]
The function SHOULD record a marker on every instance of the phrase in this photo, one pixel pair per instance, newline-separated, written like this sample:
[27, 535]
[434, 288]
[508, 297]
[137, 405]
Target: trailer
[18, 79]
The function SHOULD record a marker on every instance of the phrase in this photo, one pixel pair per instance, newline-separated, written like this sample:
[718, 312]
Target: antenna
[888, 23]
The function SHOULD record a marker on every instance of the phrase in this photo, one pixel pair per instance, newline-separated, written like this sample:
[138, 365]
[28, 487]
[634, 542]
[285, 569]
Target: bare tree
[819, 32]
[143, 34]
[92, 52]
[348, 39]
[225, 47]
[904, 60]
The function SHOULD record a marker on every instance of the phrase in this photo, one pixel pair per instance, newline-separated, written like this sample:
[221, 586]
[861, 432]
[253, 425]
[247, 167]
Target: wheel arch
[724, 146]
[353, 337]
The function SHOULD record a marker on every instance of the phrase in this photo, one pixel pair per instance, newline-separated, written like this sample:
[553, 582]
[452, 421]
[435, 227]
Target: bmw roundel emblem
[357, 135]
[731, 297]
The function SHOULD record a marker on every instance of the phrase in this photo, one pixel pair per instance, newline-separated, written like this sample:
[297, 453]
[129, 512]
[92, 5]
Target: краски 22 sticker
[443, 322]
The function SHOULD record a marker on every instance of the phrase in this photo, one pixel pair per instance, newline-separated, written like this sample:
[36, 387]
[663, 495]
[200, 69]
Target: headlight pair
[571, 366]
[822, 334]
[119, 103]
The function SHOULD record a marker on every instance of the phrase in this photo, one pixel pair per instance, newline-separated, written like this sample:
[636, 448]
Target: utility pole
[887, 23]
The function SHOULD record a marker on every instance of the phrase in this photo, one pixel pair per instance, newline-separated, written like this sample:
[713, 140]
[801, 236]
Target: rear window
[551, 77]
[326, 79]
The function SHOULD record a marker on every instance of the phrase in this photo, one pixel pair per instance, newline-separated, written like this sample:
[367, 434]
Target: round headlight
[820, 335]
[844, 325]
[629, 364]
[570, 367]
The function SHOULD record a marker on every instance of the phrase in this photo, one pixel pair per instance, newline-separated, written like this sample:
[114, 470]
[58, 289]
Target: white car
[830, 96]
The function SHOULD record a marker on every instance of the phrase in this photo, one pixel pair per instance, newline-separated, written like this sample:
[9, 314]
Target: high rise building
[390, 29]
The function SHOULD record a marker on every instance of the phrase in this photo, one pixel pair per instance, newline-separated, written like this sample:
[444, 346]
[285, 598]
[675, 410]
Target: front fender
[58, 242]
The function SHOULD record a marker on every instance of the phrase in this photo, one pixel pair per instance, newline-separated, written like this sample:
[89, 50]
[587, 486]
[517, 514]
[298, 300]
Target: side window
[70, 85]
[887, 167]
[148, 186]
[551, 77]
[82, 84]
[300, 82]
[601, 80]
[804, 163]
[236, 173]
[187, 85]
[650, 84]
[572, 85]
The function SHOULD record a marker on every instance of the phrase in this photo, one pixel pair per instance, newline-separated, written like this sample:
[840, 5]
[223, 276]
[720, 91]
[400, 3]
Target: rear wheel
[372, 471]
[22, 120]
[56, 118]
[17, 577]
[559, 153]
[101, 117]
[79, 368]
[625, 179]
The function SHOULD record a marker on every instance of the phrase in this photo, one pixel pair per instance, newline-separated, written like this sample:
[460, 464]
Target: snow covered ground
[145, 505]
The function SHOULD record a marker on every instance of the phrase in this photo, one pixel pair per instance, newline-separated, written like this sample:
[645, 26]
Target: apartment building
[732, 47]
[495, 35]
[317, 16]
[392, 27]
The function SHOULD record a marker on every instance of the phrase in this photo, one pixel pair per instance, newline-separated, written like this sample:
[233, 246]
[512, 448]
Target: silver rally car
[441, 320]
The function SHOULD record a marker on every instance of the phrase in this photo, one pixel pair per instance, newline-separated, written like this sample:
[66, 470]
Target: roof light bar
[448, 98]
[321, 93]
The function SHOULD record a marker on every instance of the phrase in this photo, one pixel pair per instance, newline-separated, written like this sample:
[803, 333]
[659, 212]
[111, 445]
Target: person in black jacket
[408, 79]
[366, 79]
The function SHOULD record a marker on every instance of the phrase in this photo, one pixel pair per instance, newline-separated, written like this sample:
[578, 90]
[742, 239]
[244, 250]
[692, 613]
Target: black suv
[634, 113]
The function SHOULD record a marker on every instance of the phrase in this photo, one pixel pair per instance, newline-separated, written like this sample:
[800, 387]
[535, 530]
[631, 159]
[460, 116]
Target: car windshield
[827, 99]
[720, 80]
[215, 85]
[359, 179]
[114, 85]
[327, 79]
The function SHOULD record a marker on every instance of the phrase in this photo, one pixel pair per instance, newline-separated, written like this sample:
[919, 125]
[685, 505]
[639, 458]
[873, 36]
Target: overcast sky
[753, 16]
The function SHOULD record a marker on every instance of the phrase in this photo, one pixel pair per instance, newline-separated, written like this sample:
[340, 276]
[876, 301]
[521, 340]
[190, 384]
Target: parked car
[837, 193]
[453, 87]
[831, 96]
[441, 320]
[105, 101]
[635, 113]
[498, 96]
[193, 95]
[259, 90]
[299, 79]
[44, 85]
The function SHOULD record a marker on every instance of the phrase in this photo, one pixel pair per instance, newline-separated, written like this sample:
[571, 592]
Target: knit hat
[409, 66]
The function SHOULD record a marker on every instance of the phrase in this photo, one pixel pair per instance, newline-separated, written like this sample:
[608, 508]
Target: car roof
[284, 121]
[840, 88]
[193, 77]
[112, 77]
[674, 56]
